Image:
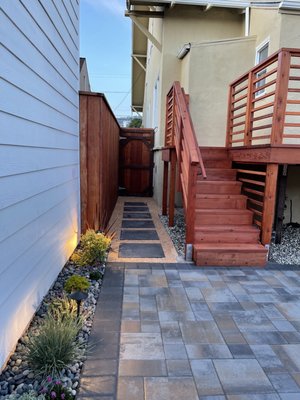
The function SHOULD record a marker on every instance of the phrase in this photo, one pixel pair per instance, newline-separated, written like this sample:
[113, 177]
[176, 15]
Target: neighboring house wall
[39, 154]
[266, 24]
[84, 76]
[217, 66]
[179, 26]
[290, 32]
[154, 60]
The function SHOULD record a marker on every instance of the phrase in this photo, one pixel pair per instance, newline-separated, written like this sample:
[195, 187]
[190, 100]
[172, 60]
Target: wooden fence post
[165, 189]
[269, 203]
[172, 187]
[191, 206]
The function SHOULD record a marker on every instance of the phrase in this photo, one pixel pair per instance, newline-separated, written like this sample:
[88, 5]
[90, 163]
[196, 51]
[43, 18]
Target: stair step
[222, 187]
[222, 163]
[220, 174]
[230, 254]
[229, 216]
[221, 201]
[227, 234]
[214, 153]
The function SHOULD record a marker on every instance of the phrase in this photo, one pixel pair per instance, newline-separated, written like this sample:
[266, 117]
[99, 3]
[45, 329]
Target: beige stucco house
[221, 39]
[205, 45]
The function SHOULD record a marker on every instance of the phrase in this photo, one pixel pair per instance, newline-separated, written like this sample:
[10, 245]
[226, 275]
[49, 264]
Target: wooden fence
[99, 160]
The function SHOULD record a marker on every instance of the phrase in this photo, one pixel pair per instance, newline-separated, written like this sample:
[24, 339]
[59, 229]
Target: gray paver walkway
[174, 331]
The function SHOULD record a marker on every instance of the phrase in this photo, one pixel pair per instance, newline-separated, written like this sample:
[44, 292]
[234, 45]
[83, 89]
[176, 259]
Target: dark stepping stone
[137, 224]
[140, 250]
[136, 215]
[139, 235]
[134, 203]
[145, 209]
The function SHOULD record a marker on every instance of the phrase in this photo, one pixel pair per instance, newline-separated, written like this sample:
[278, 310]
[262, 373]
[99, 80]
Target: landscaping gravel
[177, 232]
[288, 252]
[17, 378]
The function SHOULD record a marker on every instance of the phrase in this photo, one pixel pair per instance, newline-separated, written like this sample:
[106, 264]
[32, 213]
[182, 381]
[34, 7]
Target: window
[261, 54]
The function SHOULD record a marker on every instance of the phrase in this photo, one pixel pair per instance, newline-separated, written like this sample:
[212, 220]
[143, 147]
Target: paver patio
[173, 331]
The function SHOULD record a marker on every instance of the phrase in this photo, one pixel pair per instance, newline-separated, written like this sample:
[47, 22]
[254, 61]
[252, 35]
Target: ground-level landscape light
[78, 297]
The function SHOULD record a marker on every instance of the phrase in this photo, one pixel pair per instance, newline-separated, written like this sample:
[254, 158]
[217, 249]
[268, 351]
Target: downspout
[247, 21]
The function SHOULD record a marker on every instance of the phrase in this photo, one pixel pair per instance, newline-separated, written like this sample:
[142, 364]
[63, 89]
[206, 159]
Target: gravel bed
[288, 252]
[17, 378]
[177, 232]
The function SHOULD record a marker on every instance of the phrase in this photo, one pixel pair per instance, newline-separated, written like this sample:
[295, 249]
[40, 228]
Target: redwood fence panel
[99, 160]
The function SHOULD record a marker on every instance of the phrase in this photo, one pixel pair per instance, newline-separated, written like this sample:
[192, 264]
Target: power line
[124, 98]
[109, 91]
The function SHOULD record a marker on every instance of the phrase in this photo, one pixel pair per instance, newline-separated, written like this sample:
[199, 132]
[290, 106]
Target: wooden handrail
[263, 94]
[180, 134]
[179, 100]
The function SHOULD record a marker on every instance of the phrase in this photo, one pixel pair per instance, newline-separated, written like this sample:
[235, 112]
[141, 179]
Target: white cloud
[116, 7]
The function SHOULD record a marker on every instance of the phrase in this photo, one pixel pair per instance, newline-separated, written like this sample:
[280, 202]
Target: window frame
[259, 49]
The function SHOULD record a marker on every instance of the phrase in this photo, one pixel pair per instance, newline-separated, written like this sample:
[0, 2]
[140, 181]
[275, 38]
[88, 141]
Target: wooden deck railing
[264, 104]
[181, 135]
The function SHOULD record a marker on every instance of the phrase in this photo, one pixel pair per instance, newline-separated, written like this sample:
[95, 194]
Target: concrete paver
[164, 332]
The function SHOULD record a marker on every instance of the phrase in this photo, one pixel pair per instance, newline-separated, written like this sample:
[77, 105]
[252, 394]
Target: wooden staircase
[224, 234]
[219, 227]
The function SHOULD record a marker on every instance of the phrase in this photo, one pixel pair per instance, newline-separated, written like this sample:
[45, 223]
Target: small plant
[55, 347]
[53, 389]
[62, 308]
[95, 275]
[76, 283]
[32, 395]
[93, 248]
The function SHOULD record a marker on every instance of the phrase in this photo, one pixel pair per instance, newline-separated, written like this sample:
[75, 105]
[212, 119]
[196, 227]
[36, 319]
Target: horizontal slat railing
[264, 103]
[253, 178]
[180, 134]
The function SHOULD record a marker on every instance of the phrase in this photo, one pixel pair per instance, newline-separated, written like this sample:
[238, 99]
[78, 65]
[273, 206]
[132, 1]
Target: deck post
[172, 188]
[229, 115]
[282, 184]
[165, 189]
[269, 203]
[283, 74]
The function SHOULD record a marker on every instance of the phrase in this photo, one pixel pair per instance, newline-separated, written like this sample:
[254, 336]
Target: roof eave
[219, 3]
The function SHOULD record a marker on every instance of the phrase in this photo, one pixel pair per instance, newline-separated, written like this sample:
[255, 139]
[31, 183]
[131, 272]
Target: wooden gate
[136, 162]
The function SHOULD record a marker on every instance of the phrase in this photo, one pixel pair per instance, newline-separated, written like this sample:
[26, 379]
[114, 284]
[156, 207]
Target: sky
[105, 41]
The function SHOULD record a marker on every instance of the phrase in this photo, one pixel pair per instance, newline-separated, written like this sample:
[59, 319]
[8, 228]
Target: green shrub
[55, 346]
[93, 248]
[95, 275]
[76, 283]
[63, 308]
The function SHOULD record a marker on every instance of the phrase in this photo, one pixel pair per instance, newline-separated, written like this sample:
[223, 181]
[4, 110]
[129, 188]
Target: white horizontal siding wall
[39, 154]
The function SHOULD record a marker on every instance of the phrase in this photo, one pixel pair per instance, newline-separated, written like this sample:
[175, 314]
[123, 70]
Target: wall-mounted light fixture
[183, 52]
